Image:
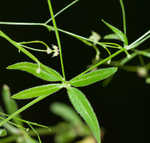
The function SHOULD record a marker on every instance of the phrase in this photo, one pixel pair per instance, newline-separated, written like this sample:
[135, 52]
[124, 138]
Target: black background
[122, 107]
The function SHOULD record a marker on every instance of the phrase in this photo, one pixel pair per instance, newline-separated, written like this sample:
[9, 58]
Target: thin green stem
[22, 109]
[62, 10]
[141, 60]
[57, 37]
[36, 133]
[123, 17]
[102, 62]
[33, 49]
[139, 40]
[27, 122]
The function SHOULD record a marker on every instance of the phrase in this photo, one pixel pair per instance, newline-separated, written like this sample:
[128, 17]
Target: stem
[57, 37]
[22, 109]
[123, 16]
[139, 40]
[62, 10]
[101, 62]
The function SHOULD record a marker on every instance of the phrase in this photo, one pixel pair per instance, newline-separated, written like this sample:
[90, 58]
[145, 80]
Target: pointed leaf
[112, 36]
[118, 32]
[66, 113]
[37, 91]
[83, 107]
[10, 104]
[45, 73]
[19, 47]
[92, 77]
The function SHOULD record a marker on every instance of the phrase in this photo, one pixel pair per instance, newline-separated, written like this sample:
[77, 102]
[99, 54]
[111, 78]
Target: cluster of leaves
[88, 77]
[64, 131]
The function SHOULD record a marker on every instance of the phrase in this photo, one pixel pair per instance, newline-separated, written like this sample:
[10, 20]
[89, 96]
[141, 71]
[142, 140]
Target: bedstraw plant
[94, 73]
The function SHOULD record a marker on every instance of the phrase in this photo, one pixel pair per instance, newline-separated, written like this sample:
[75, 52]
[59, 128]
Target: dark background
[122, 107]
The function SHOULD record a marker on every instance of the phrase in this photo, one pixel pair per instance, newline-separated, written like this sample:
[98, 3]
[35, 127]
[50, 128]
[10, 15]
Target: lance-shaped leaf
[45, 73]
[83, 107]
[37, 91]
[10, 104]
[92, 77]
[118, 32]
[66, 113]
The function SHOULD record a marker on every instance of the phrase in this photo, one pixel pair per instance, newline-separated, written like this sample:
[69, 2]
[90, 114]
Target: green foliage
[66, 113]
[10, 104]
[45, 73]
[83, 107]
[119, 33]
[87, 77]
[38, 91]
[92, 77]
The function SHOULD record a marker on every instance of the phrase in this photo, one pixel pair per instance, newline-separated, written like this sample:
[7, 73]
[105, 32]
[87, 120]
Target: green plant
[64, 131]
[77, 98]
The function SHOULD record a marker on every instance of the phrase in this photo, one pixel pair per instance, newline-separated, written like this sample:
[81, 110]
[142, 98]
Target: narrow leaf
[83, 107]
[92, 77]
[120, 34]
[38, 91]
[20, 48]
[112, 36]
[66, 113]
[10, 104]
[45, 73]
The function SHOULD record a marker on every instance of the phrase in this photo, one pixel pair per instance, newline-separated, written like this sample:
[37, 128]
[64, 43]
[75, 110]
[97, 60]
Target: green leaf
[19, 47]
[83, 107]
[66, 113]
[10, 104]
[37, 91]
[46, 73]
[3, 132]
[120, 34]
[112, 36]
[92, 77]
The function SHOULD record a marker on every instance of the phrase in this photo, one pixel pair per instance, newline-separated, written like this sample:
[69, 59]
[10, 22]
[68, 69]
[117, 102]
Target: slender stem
[21, 23]
[33, 49]
[62, 10]
[141, 60]
[139, 40]
[123, 16]
[101, 62]
[57, 37]
[22, 109]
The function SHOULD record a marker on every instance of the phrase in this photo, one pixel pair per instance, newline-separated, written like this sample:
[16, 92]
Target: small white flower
[109, 61]
[49, 51]
[95, 37]
[55, 51]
